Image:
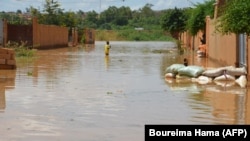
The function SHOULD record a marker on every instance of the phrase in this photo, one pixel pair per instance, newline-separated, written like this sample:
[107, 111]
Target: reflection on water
[228, 107]
[107, 60]
[225, 101]
[7, 81]
[78, 93]
[2, 98]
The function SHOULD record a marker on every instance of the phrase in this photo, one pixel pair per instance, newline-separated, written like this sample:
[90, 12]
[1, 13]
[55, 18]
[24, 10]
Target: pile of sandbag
[178, 70]
[7, 58]
[204, 76]
[201, 52]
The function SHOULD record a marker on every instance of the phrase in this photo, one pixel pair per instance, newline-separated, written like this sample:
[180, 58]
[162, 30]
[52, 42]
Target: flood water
[78, 94]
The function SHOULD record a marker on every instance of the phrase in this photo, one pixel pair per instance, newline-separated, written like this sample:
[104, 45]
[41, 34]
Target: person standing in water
[106, 48]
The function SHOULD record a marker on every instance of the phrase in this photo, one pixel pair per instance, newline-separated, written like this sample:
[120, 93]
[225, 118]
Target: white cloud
[165, 4]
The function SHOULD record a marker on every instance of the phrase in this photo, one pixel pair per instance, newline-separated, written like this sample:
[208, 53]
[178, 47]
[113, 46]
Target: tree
[146, 11]
[34, 12]
[52, 10]
[109, 15]
[114, 16]
[19, 11]
[145, 15]
[123, 15]
[69, 19]
[174, 21]
[235, 18]
[90, 19]
[197, 18]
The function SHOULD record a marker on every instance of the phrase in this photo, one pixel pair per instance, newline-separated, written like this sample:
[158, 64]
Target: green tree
[19, 11]
[109, 15]
[91, 19]
[123, 16]
[147, 11]
[34, 12]
[174, 21]
[235, 18]
[13, 17]
[145, 17]
[114, 16]
[52, 12]
[69, 19]
[197, 19]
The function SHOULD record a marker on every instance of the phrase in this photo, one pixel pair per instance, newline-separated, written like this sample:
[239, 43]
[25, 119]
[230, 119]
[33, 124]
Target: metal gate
[242, 50]
[1, 32]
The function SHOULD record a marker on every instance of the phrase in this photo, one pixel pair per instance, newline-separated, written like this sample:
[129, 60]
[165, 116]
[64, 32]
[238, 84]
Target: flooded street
[79, 94]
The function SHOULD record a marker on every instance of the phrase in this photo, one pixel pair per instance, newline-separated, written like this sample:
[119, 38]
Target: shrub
[21, 50]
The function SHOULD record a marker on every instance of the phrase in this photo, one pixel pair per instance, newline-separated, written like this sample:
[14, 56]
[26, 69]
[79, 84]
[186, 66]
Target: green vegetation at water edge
[132, 35]
[233, 18]
[21, 50]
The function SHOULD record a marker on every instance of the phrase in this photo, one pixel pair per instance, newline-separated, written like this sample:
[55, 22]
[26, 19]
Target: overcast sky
[97, 5]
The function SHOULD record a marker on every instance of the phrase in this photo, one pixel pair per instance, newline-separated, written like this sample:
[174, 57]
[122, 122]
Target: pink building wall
[221, 48]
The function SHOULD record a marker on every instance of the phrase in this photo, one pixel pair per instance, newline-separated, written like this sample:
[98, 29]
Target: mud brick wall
[7, 59]
[49, 36]
[89, 36]
[38, 36]
[18, 33]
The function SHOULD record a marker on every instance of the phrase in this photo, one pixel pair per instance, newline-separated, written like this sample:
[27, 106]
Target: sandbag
[170, 80]
[236, 71]
[225, 83]
[242, 81]
[178, 76]
[191, 71]
[174, 68]
[225, 77]
[199, 52]
[227, 67]
[213, 72]
[169, 75]
[204, 80]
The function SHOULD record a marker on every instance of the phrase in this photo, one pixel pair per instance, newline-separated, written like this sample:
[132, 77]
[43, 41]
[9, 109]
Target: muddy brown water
[76, 93]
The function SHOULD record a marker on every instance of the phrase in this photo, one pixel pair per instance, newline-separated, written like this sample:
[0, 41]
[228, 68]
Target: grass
[21, 50]
[132, 35]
